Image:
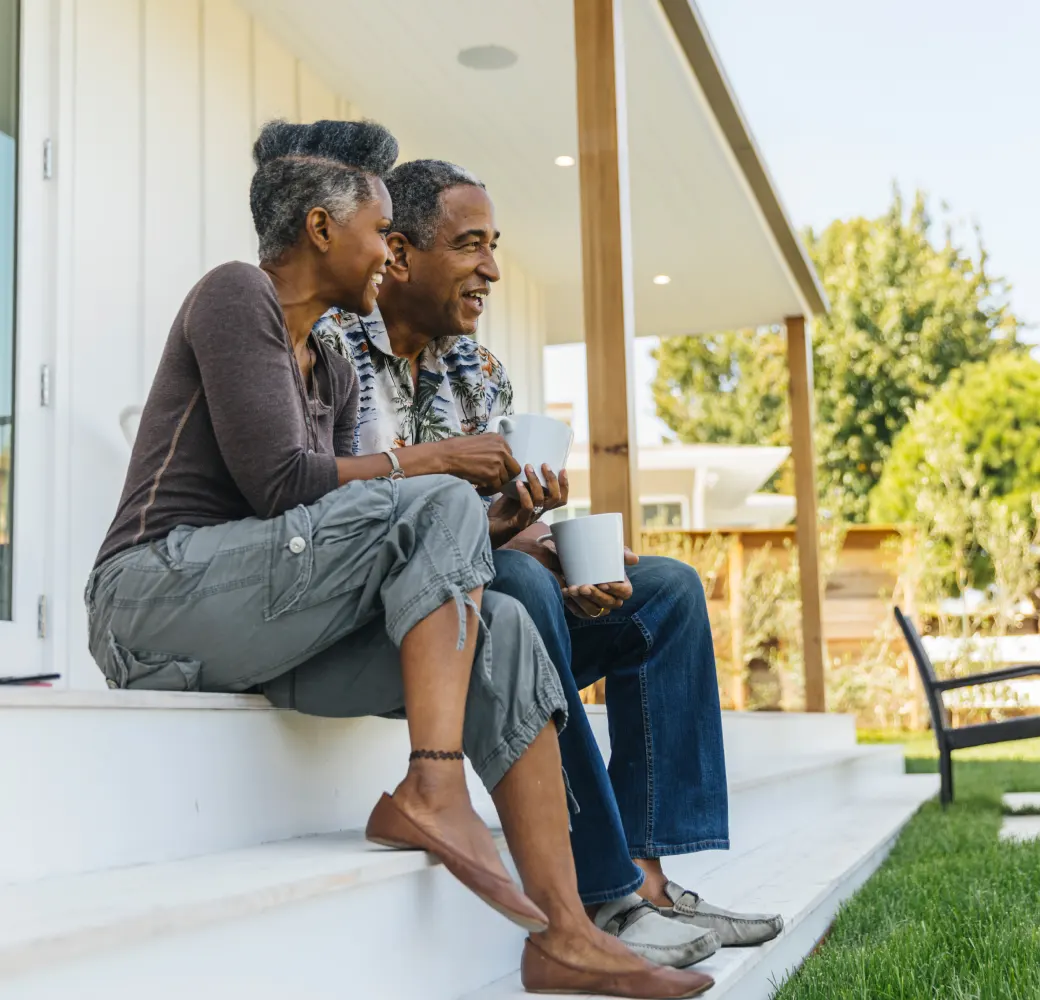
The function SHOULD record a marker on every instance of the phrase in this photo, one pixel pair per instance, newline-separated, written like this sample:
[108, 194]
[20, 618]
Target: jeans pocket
[148, 670]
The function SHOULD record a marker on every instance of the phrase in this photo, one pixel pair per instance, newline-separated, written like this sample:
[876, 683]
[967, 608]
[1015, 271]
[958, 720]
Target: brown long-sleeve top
[229, 429]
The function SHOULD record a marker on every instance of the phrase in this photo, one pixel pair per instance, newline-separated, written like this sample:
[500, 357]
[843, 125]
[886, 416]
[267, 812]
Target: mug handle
[500, 425]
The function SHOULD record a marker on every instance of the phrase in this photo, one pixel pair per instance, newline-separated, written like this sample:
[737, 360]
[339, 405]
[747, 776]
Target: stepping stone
[1020, 828]
[1022, 802]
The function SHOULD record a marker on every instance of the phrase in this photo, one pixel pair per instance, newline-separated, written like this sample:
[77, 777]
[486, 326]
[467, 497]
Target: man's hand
[594, 602]
[584, 602]
[508, 517]
[481, 459]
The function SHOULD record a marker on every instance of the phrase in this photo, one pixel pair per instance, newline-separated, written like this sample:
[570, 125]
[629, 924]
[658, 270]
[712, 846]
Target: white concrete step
[331, 916]
[147, 777]
[805, 874]
[323, 917]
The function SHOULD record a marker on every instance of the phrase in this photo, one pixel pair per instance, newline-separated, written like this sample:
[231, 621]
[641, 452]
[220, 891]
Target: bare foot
[586, 946]
[435, 794]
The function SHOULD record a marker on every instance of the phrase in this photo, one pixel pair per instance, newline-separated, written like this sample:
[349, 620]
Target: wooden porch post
[799, 361]
[606, 241]
[735, 586]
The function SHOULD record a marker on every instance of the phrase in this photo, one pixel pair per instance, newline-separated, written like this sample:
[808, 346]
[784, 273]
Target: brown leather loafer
[541, 973]
[391, 826]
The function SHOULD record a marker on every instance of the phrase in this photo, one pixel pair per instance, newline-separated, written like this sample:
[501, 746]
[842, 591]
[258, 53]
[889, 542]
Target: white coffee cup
[591, 549]
[534, 440]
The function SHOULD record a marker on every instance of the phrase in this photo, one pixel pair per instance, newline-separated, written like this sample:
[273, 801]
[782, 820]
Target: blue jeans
[664, 791]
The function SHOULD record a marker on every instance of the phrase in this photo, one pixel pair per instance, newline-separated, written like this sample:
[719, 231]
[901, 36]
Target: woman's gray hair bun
[299, 167]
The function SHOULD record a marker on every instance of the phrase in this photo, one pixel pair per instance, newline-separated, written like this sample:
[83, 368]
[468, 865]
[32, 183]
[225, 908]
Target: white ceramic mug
[534, 440]
[591, 549]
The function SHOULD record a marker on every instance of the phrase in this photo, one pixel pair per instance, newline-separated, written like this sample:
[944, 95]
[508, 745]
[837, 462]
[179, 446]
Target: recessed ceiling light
[661, 279]
[487, 57]
[564, 161]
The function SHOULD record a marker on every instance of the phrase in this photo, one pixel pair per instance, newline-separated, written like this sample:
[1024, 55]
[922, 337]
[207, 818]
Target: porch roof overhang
[704, 210]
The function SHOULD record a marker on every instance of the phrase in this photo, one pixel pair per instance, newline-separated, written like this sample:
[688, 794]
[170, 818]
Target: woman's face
[357, 256]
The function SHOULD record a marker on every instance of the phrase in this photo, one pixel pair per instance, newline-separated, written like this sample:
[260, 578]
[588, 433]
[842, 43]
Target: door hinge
[41, 616]
[45, 385]
[48, 159]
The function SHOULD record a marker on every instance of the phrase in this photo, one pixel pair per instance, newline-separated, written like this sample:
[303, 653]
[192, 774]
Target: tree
[905, 313]
[989, 413]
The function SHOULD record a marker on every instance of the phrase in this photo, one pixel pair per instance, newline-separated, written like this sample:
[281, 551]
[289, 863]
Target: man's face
[451, 280]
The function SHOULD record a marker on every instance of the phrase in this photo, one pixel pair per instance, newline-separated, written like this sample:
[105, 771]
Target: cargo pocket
[149, 671]
[292, 562]
[322, 552]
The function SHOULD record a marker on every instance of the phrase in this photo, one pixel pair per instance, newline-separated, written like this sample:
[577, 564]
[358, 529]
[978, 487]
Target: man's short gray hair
[327, 164]
[415, 188]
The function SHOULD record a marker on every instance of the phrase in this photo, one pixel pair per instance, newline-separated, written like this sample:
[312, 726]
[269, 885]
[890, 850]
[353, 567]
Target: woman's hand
[508, 517]
[481, 459]
[484, 460]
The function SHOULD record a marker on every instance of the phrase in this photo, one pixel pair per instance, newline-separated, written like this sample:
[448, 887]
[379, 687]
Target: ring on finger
[538, 509]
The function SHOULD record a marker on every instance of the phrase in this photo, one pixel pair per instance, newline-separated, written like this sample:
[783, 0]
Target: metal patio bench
[962, 737]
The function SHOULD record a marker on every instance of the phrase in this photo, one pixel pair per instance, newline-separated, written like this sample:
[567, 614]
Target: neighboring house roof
[733, 475]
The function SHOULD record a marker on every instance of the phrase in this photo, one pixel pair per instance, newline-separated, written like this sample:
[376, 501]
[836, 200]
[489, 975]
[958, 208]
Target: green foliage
[905, 313]
[724, 388]
[993, 411]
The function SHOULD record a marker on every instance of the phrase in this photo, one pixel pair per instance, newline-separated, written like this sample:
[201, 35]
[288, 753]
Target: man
[423, 379]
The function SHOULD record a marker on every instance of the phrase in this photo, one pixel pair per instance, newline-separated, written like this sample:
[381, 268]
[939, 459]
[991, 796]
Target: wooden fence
[857, 596]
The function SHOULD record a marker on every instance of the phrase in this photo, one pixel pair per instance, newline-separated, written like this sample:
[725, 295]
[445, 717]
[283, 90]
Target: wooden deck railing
[857, 590]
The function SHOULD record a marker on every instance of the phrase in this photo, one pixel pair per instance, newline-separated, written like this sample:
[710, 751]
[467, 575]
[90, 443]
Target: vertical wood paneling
[274, 79]
[168, 95]
[499, 327]
[517, 364]
[227, 133]
[535, 340]
[172, 194]
[317, 101]
[513, 329]
[103, 367]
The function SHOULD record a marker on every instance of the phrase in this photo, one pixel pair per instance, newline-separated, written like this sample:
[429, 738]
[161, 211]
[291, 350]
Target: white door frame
[22, 651]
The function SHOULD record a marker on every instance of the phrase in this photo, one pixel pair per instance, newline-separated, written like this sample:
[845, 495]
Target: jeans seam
[608, 895]
[647, 729]
[651, 850]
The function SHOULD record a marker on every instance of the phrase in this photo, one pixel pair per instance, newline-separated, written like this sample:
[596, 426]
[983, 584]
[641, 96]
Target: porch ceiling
[699, 214]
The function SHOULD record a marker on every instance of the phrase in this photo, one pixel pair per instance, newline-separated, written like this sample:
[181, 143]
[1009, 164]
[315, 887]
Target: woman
[251, 548]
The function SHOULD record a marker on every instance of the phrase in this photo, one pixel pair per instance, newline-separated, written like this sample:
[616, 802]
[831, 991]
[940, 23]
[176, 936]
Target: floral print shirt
[461, 387]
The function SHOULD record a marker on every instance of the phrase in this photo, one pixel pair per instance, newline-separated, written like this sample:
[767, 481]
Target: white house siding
[160, 104]
[514, 330]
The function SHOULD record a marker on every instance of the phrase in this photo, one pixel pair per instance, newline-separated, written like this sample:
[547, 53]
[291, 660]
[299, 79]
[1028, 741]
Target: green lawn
[953, 914]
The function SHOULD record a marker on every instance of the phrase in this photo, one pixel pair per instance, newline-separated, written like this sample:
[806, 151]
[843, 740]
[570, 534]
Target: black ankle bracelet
[436, 755]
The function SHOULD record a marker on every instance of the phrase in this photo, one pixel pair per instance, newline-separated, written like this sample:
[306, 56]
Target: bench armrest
[993, 677]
